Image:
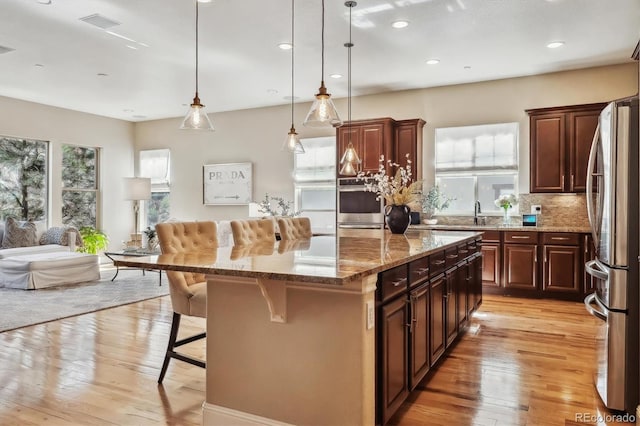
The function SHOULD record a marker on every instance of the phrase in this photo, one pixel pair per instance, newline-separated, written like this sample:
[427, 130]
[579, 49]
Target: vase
[505, 217]
[432, 221]
[397, 218]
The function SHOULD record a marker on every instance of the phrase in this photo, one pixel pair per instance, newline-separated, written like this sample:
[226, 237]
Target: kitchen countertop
[351, 255]
[480, 228]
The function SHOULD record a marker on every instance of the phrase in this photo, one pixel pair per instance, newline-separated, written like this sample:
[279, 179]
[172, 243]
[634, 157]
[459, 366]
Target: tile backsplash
[557, 210]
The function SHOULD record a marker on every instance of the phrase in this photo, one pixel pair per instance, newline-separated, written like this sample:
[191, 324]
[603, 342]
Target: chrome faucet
[476, 212]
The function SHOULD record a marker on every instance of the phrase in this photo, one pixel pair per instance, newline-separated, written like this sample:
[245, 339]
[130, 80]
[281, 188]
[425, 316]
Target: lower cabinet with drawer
[561, 263]
[422, 307]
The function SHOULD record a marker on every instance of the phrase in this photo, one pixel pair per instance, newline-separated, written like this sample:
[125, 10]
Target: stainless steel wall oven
[358, 207]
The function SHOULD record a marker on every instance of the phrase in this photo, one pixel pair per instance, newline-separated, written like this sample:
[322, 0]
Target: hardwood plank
[522, 362]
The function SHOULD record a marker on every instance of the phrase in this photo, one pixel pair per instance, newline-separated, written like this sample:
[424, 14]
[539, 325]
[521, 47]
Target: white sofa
[45, 265]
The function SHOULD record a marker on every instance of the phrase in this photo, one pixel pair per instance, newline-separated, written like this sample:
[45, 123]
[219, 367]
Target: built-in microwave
[356, 205]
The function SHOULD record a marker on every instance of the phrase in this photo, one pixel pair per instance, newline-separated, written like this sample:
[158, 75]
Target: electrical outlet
[536, 209]
[371, 318]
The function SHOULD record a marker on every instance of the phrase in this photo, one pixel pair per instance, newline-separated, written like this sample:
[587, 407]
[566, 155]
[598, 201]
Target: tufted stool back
[247, 232]
[294, 228]
[184, 237]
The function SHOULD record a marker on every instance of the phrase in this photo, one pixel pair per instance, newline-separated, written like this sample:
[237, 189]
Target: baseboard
[213, 415]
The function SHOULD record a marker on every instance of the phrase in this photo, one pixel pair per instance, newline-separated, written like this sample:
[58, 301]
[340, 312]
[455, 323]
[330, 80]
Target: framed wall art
[225, 184]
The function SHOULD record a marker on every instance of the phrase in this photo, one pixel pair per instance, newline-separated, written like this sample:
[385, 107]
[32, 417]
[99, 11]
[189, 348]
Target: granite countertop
[480, 228]
[337, 259]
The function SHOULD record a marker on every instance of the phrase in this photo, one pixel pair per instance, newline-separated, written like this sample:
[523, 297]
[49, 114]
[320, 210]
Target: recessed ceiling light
[44, 1]
[400, 24]
[38, 65]
[127, 110]
[555, 44]
[467, 67]
[132, 47]
[272, 91]
[336, 76]
[139, 116]
[285, 46]
[101, 74]
[204, 1]
[433, 61]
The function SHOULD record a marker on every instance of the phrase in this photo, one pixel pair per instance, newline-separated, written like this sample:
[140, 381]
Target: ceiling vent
[4, 49]
[100, 21]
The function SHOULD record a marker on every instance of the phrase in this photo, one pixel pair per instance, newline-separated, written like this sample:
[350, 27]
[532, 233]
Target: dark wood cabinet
[491, 264]
[383, 136]
[408, 140]
[451, 304]
[560, 139]
[394, 361]
[420, 334]
[370, 138]
[561, 263]
[462, 279]
[438, 319]
[475, 283]
[420, 312]
[520, 257]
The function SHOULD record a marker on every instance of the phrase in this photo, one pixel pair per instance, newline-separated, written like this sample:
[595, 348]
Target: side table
[134, 253]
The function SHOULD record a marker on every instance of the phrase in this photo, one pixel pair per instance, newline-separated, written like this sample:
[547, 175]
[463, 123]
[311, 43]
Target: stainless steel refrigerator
[614, 214]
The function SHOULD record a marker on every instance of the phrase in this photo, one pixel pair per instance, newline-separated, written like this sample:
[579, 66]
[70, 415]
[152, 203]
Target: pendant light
[196, 118]
[323, 112]
[350, 159]
[292, 142]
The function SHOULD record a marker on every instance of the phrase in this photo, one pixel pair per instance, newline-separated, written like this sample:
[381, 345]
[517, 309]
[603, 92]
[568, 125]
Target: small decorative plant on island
[283, 207]
[506, 202]
[399, 192]
[434, 201]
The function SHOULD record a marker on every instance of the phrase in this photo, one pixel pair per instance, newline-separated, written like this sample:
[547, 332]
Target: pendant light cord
[322, 79]
[293, 48]
[197, 48]
[349, 46]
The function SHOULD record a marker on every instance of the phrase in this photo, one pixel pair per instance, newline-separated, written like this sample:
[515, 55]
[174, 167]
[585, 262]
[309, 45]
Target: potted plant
[152, 238]
[93, 240]
[434, 201]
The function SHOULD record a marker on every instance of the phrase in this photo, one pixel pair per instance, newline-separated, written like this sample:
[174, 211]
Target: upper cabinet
[383, 136]
[560, 140]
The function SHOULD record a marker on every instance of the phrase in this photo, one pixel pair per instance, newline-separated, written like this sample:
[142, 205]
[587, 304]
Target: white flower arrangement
[506, 201]
[397, 190]
[284, 207]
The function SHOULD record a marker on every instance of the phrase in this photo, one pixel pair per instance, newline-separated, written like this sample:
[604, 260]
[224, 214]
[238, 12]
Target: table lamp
[137, 189]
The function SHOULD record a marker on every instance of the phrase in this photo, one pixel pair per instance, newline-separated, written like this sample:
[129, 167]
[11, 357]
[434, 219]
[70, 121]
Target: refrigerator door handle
[589, 301]
[590, 174]
[596, 271]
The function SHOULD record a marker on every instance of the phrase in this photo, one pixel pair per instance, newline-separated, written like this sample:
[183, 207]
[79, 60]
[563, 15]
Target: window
[477, 163]
[79, 186]
[23, 178]
[314, 175]
[156, 164]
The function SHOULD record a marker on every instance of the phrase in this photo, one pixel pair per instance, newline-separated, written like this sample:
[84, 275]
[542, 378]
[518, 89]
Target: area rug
[21, 308]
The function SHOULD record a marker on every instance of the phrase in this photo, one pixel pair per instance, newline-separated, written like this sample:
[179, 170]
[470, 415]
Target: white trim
[216, 415]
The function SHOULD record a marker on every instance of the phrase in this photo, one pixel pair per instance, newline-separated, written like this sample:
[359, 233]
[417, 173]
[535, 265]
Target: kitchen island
[292, 328]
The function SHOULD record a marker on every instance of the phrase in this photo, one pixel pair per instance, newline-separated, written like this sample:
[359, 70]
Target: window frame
[475, 172]
[95, 189]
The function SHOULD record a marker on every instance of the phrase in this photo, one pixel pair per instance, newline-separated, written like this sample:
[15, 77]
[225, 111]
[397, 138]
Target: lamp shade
[137, 188]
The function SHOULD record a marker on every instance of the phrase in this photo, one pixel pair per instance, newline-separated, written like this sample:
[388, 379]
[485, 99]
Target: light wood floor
[523, 362]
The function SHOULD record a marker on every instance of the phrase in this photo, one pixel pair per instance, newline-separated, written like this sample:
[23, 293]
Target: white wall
[61, 126]
[256, 135]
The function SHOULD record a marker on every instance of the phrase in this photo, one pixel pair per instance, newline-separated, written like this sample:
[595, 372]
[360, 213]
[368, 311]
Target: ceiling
[63, 61]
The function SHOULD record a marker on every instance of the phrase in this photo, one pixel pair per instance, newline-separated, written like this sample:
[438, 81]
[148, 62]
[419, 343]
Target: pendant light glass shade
[350, 155]
[196, 118]
[323, 112]
[348, 169]
[292, 142]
